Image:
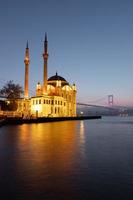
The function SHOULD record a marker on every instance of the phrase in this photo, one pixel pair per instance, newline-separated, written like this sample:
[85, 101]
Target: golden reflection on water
[82, 138]
[47, 148]
[82, 132]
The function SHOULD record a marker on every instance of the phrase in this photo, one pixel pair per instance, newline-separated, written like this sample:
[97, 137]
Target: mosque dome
[53, 79]
[56, 77]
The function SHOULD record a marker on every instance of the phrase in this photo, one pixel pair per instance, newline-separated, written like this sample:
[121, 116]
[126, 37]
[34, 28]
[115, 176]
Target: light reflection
[48, 148]
[82, 138]
[82, 132]
[23, 134]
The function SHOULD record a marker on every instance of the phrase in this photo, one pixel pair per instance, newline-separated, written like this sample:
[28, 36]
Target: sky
[90, 43]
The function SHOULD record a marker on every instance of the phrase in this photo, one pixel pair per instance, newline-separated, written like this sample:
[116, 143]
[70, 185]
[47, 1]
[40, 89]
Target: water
[90, 159]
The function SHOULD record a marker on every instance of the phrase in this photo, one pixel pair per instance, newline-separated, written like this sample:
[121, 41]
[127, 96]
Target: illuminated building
[54, 98]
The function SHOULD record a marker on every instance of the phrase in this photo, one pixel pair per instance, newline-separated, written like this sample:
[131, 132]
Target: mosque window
[64, 104]
[61, 102]
[49, 101]
[44, 101]
[55, 110]
[39, 101]
[55, 101]
[52, 102]
[36, 101]
[58, 102]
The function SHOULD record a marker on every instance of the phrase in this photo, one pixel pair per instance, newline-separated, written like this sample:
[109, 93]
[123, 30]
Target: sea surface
[90, 159]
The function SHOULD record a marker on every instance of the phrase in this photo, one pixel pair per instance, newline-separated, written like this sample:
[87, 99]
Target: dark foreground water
[90, 159]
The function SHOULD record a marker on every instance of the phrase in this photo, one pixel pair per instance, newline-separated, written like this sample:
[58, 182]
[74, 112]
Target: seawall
[15, 121]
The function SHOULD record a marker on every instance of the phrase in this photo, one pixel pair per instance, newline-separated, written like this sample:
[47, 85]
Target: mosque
[54, 98]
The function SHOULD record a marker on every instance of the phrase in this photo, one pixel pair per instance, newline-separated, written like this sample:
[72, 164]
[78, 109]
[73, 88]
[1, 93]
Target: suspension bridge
[107, 106]
[95, 103]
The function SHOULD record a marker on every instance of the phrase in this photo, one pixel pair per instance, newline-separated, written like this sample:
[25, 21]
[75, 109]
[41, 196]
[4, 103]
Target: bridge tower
[110, 100]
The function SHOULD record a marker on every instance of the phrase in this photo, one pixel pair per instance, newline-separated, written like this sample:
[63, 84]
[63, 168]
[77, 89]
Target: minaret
[27, 62]
[45, 57]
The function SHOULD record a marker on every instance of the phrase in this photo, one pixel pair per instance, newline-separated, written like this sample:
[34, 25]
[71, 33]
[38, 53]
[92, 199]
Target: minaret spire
[27, 62]
[27, 45]
[45, 36]
[45, 57]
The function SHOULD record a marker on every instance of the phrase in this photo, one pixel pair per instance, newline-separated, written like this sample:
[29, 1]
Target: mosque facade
[54, 98]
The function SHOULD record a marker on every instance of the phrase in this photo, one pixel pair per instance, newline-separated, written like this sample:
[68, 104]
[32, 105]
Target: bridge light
[81, 113]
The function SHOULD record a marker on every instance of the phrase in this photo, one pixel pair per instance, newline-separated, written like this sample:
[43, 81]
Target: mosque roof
[52, 80]
[56, 77]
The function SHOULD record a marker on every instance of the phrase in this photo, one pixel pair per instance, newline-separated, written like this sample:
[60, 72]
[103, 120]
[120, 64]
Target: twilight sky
[90, 44]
